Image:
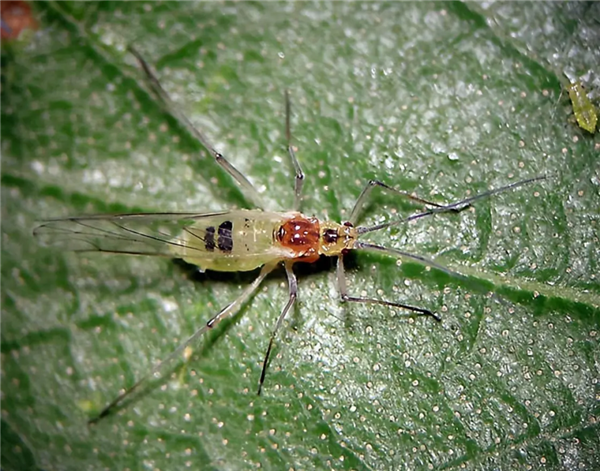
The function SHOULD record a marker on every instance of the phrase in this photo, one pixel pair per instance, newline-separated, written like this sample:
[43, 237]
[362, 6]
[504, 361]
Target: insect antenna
[452, 207]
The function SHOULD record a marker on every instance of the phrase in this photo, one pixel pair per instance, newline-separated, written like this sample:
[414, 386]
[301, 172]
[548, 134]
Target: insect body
[583, 109]
[241, 240]
[247, 239]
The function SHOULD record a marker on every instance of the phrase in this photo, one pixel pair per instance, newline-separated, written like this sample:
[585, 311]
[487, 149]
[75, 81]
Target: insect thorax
[300, 234]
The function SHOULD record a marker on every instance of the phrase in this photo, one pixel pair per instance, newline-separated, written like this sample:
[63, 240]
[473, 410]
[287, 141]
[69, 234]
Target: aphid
[241, 240]
[583, 109]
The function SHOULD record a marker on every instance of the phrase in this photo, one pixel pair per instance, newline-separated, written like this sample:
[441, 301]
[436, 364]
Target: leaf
[445, 100]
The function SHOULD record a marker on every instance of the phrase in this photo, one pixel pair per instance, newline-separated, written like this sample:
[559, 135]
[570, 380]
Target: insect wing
[159, 234]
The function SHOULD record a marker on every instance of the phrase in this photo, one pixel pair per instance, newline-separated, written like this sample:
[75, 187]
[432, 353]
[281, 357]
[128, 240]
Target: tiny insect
[583, 109]
[241, 240]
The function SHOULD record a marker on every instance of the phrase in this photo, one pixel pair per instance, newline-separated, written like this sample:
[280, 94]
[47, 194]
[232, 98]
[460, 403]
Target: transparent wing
[156, 234]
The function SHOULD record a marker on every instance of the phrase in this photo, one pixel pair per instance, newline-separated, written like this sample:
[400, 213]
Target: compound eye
[330, 236]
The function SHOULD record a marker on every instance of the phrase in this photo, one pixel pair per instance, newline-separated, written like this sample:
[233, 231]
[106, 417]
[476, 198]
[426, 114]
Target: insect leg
[171, 108]
[293, 290]
[392, 252]
[299, 178]
[343, 290]
[376, 183]
[401, 254]
[180, 353]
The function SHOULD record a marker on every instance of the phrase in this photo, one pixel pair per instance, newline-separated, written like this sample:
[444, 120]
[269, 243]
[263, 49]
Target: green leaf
[444, 100]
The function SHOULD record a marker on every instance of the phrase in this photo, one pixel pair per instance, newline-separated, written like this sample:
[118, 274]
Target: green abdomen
[233, 241]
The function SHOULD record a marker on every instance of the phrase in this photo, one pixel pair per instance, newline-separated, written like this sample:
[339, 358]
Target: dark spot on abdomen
[225, 240]
[209, 239]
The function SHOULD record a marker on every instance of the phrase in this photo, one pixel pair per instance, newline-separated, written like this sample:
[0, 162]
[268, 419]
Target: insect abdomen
[233, 241]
